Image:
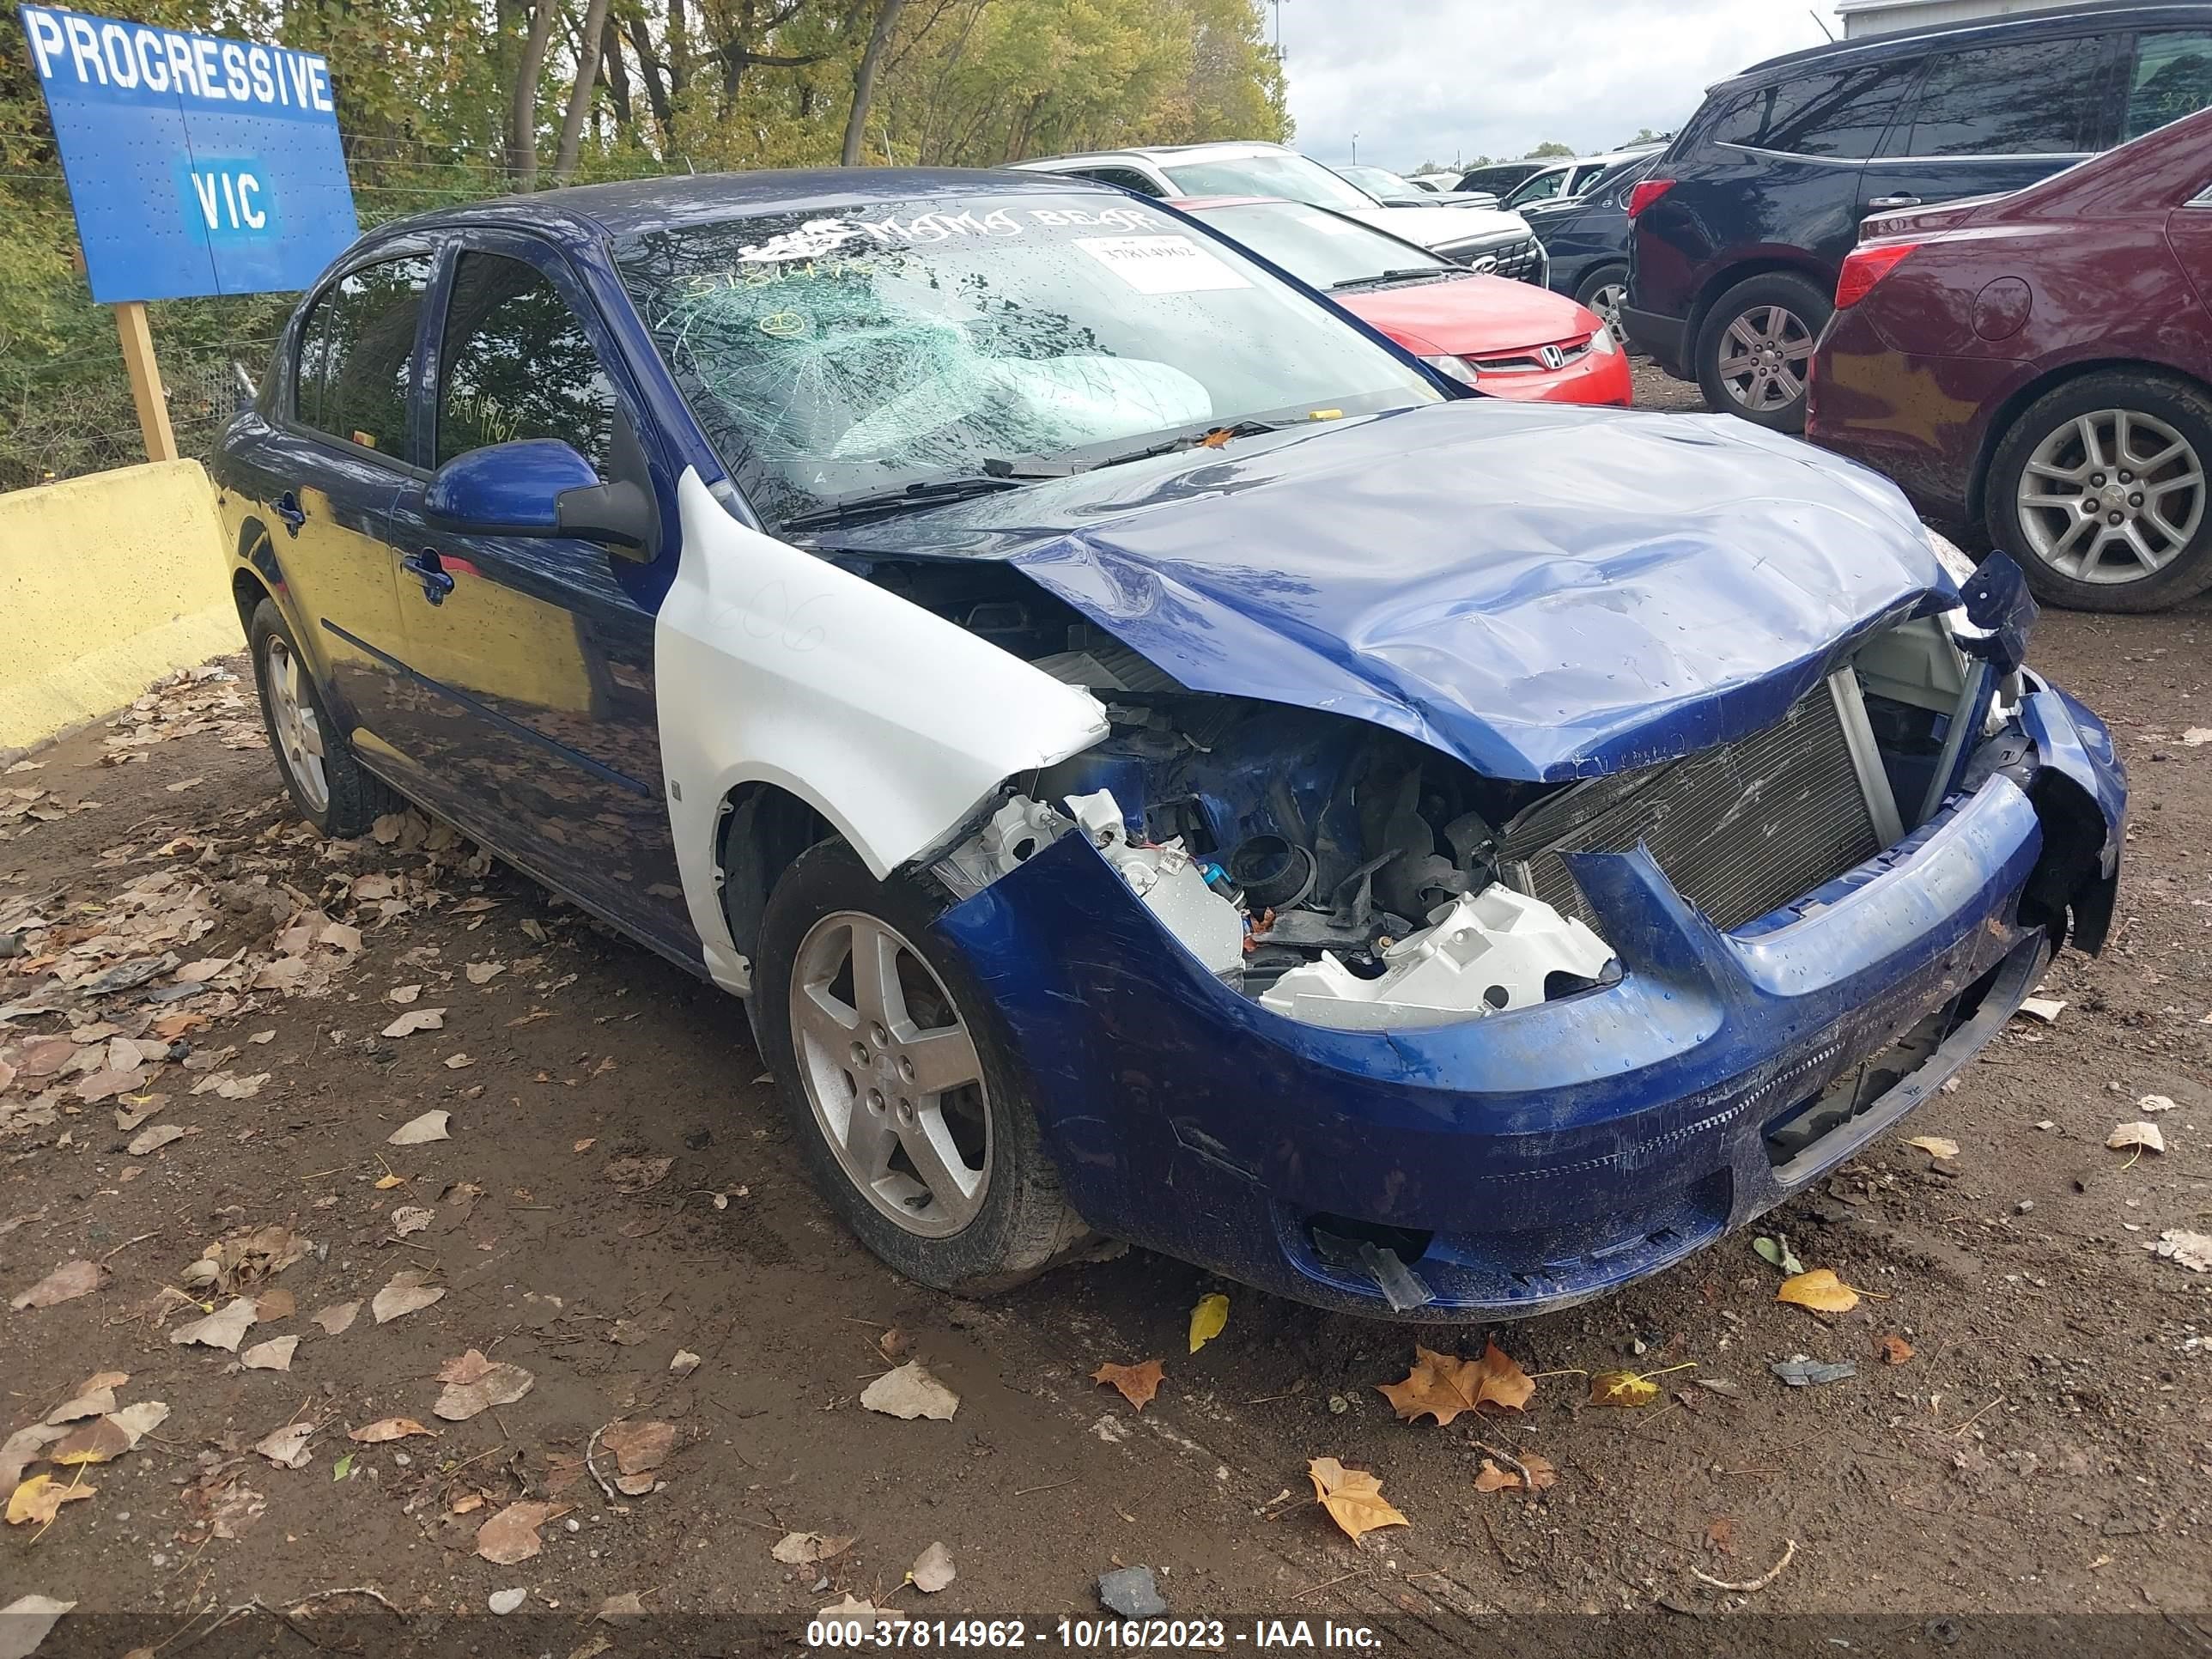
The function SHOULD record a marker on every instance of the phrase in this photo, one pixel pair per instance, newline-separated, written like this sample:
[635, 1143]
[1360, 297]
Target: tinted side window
[2173, 78]
[1127, 178]
[515, 362]
[365, 330]
[314, 347]
[2026, 98]
[1842, 113]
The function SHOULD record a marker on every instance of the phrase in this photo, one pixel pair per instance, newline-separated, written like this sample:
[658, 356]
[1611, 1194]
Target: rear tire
[1754, 350]
[1604, 291]
[2160, 553]
[951, 1185]
[328, 784]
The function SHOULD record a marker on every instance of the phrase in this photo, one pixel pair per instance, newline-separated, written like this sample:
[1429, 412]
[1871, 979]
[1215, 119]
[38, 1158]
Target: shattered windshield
[833, 357]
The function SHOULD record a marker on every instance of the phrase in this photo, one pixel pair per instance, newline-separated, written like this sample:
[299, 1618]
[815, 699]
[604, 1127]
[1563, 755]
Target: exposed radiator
[1739, 830]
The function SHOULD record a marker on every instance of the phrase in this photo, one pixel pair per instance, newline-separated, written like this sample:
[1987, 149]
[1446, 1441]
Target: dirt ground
[617, 1211]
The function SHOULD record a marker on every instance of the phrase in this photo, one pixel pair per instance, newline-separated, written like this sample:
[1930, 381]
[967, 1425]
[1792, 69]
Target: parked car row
[1811, 182]
[1156, 756]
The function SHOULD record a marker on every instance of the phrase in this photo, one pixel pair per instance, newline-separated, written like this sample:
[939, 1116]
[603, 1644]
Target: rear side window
[1127, 178]
[516, 362]
[2025, 98]
[1841, 113]
[2173, 78]
[357, 355]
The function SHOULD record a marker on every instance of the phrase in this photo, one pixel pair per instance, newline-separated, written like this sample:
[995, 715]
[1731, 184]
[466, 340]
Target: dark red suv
[2042, 363]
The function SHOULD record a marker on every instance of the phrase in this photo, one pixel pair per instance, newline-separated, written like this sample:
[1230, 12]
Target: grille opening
[1739, 831]
[1857, 1087]
[1337, 1238]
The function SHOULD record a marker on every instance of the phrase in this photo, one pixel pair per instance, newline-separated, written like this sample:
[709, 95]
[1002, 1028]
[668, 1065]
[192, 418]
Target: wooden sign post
[138, 361]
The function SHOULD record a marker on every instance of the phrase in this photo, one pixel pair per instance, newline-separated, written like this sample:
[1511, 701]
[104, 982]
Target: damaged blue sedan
[1156, 759]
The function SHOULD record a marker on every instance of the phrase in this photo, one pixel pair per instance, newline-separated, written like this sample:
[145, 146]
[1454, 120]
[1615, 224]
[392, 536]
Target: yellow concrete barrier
[107, 582]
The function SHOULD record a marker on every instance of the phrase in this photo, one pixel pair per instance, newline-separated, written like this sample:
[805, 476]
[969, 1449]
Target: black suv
[1741, 228]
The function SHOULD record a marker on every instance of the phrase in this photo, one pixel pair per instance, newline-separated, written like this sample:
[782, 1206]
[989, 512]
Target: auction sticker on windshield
[1161, 265]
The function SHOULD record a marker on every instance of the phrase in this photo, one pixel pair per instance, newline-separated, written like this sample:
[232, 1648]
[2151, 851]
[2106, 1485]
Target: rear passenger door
[1990, 119]
[325, 465]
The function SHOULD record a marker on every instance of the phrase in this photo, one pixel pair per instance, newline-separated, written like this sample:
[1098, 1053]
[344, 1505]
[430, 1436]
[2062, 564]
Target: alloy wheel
[2111, 497]
[1607, 301]
[1765, 356]
[299, 733]
[891, 1072]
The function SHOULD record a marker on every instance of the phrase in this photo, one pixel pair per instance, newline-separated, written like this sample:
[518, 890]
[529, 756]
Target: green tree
[1548, 151]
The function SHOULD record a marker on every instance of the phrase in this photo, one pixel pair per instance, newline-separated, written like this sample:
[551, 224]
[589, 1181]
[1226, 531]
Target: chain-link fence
[67, 416]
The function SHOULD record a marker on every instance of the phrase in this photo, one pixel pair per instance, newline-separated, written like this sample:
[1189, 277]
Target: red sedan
[2042, 361]
[1509, 338]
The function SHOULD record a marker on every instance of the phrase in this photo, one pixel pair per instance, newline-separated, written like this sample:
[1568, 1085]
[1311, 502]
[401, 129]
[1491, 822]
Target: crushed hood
[1545, 591]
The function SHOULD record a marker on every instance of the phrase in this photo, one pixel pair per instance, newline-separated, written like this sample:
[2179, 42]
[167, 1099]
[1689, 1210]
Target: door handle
[1883, 204]
[427, 568]
[287, 507]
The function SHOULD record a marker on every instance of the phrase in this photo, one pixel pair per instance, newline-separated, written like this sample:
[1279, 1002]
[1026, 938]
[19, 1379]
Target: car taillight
[1646, 192]
[1865, 266]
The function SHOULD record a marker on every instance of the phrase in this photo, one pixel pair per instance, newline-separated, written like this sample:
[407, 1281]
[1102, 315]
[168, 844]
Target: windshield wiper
[1405, 274]
[1193, 439]
[929, 492]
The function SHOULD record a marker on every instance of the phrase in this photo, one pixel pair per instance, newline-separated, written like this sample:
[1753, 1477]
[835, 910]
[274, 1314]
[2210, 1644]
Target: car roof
[1225, 149]
[640, 205]
[1910, 39]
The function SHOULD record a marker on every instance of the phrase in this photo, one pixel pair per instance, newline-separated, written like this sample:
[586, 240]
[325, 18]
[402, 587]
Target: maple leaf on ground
[1138, 1384]
[1621, 1388]
[1443, 1386]
[1354, 1498]
[1819, 1290]
[1490, 1477]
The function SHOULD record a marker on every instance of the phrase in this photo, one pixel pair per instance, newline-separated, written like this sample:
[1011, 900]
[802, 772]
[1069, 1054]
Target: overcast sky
[1429, 79]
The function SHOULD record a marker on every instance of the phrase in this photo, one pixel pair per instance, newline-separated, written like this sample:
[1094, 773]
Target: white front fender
[772, 665]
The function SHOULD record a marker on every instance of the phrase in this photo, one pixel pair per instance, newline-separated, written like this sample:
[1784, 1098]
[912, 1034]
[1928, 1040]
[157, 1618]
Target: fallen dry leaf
[1208, 1319]
[275, 1355]
[388, 1428]
[402, 994]
[932, 1569]
[405, 1293]
[511, 1536]
[685, 1362]
[1622, 1388]
[2145, 1135]
[910, 1392]
[465, 1367]
[483, 973]
[1490, 1477]
[338, 1317]
[498, 1385]
[411, 1218]
[1138, 1384]
[1442, 1385]
[1895, 1350]
[416, 1019]
[101, 1441]
[1720, 1533]
[287, 1447]
[40, 1499]
[638, 1175]
[458, 1062]
[94, 1402]
[431, 1126]
[639, 1448]
[25, 1621]
[2150, 1103]
[1819, 1290]
[1935, 1145]
[2188, 1249]
[153, 1140]
[273, 1305]
[218, 1330]
[73, 1278]
[24, 1448]
[806, 1549]
[1354, 1498]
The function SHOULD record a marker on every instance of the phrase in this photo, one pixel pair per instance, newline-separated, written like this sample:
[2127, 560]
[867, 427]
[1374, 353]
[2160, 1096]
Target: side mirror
[541, 486]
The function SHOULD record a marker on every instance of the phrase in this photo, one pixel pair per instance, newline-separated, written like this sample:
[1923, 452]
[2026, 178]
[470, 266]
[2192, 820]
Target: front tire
[2100, 490]
[1754, 352]
[1604, 291]
[909, 1109]
[331, 788]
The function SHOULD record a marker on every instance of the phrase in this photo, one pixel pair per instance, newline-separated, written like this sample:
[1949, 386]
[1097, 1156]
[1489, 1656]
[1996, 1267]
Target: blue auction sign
[196, 165]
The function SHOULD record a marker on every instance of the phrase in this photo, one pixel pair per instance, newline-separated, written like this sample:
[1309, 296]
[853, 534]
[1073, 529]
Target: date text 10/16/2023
[1087, 1635]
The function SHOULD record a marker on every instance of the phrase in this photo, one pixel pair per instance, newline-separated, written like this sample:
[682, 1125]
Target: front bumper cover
[1544, 1156]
